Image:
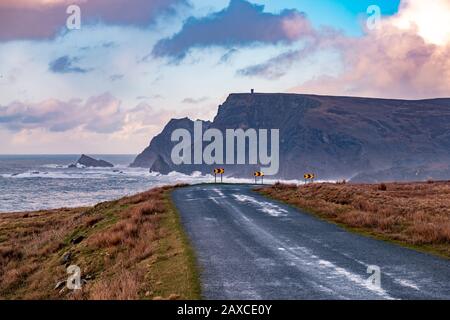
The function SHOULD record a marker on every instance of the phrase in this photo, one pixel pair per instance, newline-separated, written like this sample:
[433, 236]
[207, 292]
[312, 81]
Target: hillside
[130, 248]
[365, 139]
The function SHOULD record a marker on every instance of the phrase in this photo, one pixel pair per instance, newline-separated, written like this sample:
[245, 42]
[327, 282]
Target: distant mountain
[334, 137]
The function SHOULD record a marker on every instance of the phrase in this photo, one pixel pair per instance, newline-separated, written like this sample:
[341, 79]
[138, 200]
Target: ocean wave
[54, 166]
[126, 172]
[40, 175]
[88, 173]
[197, 176]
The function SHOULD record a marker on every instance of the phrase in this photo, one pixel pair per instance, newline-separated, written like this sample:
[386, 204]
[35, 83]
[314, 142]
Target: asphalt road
[249, 247]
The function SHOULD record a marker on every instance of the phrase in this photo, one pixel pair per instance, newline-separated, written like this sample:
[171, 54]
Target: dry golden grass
[120, 249]
[415, 214]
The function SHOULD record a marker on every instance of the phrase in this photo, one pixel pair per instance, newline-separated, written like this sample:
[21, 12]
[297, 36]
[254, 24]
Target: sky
[112, 84]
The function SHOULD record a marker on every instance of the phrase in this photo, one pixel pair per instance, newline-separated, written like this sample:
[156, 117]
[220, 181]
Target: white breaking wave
[55, 166]
[71, 173]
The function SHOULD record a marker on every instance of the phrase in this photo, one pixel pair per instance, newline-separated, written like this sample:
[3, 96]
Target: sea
[35, 182]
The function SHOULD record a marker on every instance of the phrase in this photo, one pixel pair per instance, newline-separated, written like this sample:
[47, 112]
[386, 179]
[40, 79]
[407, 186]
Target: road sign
[259, 174]
[309, 176]
[217, 171]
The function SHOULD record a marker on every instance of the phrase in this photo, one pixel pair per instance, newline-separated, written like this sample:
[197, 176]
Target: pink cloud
[100, 114]
[37, 19]
[406, 57]
[391, 63]
[430, 18]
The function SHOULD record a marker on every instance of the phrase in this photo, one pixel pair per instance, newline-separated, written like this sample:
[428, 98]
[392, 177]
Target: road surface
[250, 247]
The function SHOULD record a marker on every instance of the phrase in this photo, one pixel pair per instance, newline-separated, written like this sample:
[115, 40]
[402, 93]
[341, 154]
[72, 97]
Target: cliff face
[333, 137]
[161, 144]
[157, 156]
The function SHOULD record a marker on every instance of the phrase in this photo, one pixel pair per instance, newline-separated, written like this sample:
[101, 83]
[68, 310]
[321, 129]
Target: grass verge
[131, 248]
[414, 215]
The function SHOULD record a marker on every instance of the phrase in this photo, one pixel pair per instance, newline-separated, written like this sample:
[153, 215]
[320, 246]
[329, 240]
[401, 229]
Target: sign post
[259, 174]
[217, 171]
[309, 176]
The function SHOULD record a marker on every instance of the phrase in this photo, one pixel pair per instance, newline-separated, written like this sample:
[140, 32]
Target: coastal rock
[77, 239]
[333, 137]
[87, 161]
[160, 166]
[65, 259]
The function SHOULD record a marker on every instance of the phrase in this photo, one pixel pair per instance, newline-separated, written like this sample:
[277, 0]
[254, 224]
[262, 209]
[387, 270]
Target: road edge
[362, 232]
[193, 269]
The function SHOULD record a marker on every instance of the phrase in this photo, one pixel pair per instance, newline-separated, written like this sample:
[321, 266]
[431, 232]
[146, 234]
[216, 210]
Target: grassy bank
[131, 248]
[416, 215]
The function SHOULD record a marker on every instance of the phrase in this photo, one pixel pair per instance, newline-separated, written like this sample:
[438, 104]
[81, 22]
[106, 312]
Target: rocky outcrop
[160, 166]
[333, 137]
[161, 144]
[87, 161]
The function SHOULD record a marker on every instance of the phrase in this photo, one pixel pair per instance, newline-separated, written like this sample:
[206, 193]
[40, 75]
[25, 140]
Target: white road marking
[311, 264]
[264, 206]
[407, 283]
[220, 193]
[214, 200]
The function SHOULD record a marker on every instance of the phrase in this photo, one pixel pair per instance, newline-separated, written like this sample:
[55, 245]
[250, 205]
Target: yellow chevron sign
[259, 174]
[309, 176]
[219, 171]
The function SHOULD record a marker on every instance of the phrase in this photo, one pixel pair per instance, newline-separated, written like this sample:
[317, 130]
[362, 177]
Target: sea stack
[87, 161]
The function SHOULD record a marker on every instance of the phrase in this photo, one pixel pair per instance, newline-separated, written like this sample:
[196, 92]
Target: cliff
[333, 137]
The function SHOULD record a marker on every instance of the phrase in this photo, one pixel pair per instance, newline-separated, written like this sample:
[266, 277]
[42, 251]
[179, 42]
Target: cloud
[396, 60]
[65, 64]
[431, 18]
[194, 100]
[145, 114]
[407, 57]
[26, 4]
[116, 77]
[240, 24]
[393, 64]
[280, 64]
[226, 57]
[42, 19]
[273, 68]
[99, 114]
